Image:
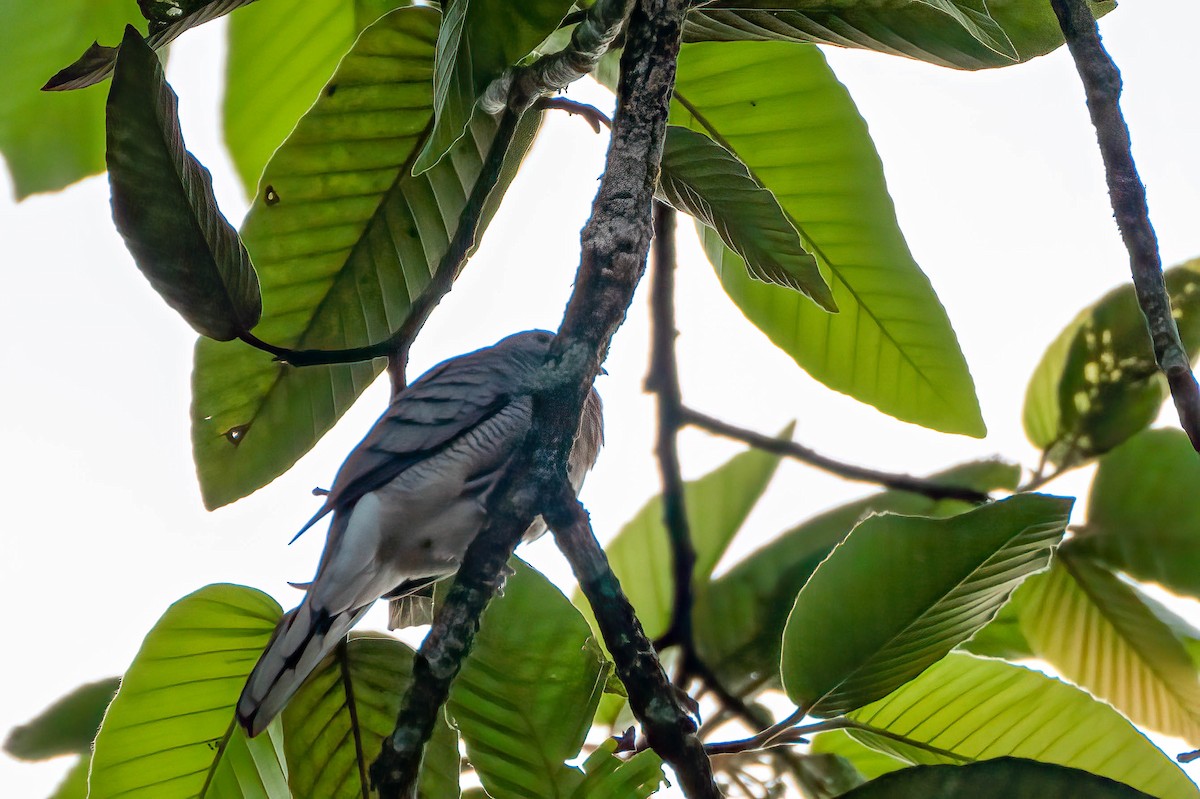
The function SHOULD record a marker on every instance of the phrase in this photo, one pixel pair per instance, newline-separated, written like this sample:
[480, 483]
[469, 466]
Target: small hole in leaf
[270, 196]
[330, 89]
[234, 435]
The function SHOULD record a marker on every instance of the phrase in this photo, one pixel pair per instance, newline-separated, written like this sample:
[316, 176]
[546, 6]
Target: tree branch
[900, 482]
[614, 246]
[1102, 85]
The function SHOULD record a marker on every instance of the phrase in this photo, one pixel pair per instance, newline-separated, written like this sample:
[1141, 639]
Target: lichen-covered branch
[1102, 85]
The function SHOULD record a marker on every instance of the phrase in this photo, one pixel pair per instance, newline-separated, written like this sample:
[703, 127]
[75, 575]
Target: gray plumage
[409, 499]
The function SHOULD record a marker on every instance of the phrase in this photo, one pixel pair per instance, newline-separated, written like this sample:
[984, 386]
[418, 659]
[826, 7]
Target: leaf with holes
[1095, 631]
[344, 239]
[739, 617]
[702, 178]
[281, 56]
[1098, 384]
[995, 779]
[965, 709]
[965, 34]
[926, 586]
[163, 204]
[526, 695]
[1142, 514]
[471, 54]
[335, 724]
[780, 110]
[66, 727]
[717, 504]
[170, 732]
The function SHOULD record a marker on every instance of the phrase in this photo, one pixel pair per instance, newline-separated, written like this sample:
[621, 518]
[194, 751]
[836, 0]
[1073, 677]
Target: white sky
[998, 188]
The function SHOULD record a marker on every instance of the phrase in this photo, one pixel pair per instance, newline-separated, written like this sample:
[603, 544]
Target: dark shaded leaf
[163, 204]
[932, 584]
[66, 727]
[702, 178]
[1001, 778]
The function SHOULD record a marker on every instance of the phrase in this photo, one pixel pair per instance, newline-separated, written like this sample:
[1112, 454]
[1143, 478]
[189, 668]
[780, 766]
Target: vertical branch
[1102, 85]
[663, 380]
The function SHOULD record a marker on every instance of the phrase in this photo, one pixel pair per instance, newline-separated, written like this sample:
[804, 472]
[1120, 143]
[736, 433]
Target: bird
[409, 499]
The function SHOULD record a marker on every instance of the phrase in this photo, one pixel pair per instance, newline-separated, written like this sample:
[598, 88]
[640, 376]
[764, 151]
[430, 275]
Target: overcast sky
[998, 188]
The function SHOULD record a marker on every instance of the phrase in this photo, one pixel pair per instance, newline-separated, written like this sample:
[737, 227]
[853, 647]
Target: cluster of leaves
[873, 618]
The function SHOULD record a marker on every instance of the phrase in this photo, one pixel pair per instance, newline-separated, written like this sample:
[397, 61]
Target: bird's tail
[302, 639]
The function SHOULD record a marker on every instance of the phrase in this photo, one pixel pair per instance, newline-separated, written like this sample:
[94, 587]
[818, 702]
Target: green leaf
[478, 41]
[1002, 637]
[780, 110]
[965, 34]
[50, 141]
[335, 724]
[930, 584]
[1142, 514]
[280, 57]
[607, 776]
[97, 61]
[995, 779]
[75, 784]
[717, 504]
[343, 237]
[739, 617]
[163, 204]
[66, 727]
[526, 695]
[1095, 631]
[977, 709]
[170, 731]
[702, 178]
[869, 762]
[1097, 385]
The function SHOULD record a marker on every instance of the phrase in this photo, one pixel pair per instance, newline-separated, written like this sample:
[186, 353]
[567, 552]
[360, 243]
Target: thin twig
[791, 735]
[1102, 85]
[933, 489]
[593, 115]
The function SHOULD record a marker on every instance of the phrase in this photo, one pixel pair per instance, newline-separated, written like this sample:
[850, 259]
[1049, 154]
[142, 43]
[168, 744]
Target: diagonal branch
[1102, 85]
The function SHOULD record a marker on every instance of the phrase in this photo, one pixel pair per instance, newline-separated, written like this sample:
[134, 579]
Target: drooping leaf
[702, 178]
[928, 585]
[280, 57]
[1097, 385]
[965, 708]
[869, 762]
[1095, 631]
[479, 39]
[343, 238]
[1142, 513]
[606, 775]
[170, 731]
[995, 779]
[66, 727]
[526, 695]
[717, 504]
[739, 617]
[163, 204]
[97, 61]
[780, 110]
[50, 141]
[965, 34]
[335, 724]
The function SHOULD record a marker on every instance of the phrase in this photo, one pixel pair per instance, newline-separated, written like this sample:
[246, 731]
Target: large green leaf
[170, 731]
[479, 39]
[66, 727]
[335, 724]
[163, 203]
[1001, 778]
[779, 108]
[1098, 384]
[1142, 513]
[280, 57]
[739, 617]
[717, 504]
[966, 34]
[1095, 631]
[702, 178]
[923, 587]
[51, 140]
[1002, 637]
[526, 695]
[977, 709]
[343, 237]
